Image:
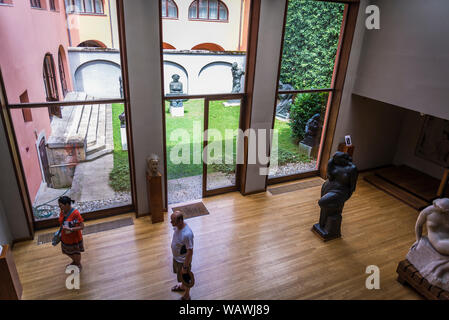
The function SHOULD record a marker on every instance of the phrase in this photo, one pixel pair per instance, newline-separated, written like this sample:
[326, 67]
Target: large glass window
[311, 40]
[207, 71]
[68, 112]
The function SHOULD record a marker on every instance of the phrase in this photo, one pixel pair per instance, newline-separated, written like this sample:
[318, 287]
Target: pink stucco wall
[26, 36]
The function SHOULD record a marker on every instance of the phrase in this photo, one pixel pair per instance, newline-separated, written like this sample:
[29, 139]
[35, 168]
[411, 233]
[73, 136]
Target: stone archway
[99, 78]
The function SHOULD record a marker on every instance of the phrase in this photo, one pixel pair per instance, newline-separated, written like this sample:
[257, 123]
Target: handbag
[57, 236]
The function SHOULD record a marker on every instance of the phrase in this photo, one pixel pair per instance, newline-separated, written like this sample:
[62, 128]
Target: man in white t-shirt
[182, 249]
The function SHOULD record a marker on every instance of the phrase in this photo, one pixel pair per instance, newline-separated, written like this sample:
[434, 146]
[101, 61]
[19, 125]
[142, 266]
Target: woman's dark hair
[65, 200]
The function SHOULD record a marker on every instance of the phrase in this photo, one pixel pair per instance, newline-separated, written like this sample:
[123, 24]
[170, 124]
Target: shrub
[304, 107]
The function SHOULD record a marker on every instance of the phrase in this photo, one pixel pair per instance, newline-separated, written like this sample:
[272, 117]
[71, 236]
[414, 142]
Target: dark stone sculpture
[122, 120]
[237, 74]
[176, 89]
[285, 103]
[312, 135]
[340, 184]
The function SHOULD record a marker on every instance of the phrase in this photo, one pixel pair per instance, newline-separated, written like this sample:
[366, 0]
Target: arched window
[51, 88]
[62, 71]
[208, 46]
[166, 45]
[92, 44]
[169, 9]
[211, 10]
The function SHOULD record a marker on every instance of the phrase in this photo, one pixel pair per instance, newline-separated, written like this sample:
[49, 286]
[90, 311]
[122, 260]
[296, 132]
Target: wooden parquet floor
[255, 247]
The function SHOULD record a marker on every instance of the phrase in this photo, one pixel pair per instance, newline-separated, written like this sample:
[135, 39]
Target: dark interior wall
[374, 126]
[408, 139]
[406, 62]
[5, 234]
[13, 224]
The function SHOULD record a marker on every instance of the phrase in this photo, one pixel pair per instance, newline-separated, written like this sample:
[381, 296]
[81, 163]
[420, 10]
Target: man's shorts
[176, 267]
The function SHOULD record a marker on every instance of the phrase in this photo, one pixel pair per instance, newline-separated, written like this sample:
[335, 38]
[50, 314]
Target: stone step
[103, 144]
[93, 126]
[63, 129]
[98, 154]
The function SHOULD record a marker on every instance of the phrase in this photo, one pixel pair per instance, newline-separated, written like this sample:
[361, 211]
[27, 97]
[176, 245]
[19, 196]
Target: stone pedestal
[177, 111]
[154, 188]
[231, 103]
[311, 152]
[123, 138]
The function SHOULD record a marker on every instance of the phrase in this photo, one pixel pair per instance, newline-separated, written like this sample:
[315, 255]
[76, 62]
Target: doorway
[44, 162]
[203, 146]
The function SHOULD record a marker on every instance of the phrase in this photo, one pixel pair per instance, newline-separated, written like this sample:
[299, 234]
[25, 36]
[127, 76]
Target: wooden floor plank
[254, 247]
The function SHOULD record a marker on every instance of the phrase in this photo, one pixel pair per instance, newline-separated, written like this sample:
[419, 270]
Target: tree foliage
[306, 105]
[311, 36]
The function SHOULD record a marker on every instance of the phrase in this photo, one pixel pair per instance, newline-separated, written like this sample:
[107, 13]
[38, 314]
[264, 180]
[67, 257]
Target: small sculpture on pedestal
[176, 106]
[154, 184]
[311, 142]
[237, 74]
[430, 254]
[340, 184]
[152, 165]
[285, 101]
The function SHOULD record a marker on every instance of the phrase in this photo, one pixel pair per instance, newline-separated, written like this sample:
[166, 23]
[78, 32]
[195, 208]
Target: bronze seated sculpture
[340, 184]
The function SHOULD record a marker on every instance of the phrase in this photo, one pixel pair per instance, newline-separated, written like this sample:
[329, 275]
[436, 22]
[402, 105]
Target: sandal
[177, 288]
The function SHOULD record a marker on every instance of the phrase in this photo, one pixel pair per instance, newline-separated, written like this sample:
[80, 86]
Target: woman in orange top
[71, 236]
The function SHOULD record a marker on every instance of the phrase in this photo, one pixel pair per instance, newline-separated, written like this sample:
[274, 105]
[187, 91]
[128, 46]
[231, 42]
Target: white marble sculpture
[430, 254]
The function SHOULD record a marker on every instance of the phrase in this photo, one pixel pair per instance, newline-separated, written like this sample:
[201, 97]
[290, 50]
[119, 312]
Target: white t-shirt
[183, 237]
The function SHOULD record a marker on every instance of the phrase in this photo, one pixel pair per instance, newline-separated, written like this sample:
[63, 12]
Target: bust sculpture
[237, 74]
[430, 254]
[312, 131]
[285, 101]
[152, 165]
[340, 184]
[176, 89]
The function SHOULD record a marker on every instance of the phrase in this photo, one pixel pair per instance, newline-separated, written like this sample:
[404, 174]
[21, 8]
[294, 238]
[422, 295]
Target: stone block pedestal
[177, 111]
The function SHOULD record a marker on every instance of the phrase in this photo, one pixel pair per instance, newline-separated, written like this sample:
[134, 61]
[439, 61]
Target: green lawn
[119, 178]
[220, 118]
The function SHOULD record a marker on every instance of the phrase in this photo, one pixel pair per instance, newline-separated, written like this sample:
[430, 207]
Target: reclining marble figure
[430, 254]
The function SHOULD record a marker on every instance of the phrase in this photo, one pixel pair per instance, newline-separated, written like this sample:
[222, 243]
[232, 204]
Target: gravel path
[292, 168]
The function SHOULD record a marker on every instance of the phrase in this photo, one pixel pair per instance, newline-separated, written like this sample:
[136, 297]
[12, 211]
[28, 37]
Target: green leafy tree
[311, 36]
[306, 105]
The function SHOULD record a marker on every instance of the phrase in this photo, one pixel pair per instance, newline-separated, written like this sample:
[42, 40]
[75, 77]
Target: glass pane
[297, 133]
[88, 6]
[213, 9]
[223, 12]
[172, 11]
[164, 8]
[95, 72]
[220, 67]
[311, 37]
[98, 6]
[83, 154]
[192, 10]
[221, 151]
[184, 123]
[203, 9]
[78, 7]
